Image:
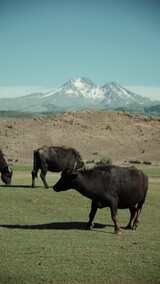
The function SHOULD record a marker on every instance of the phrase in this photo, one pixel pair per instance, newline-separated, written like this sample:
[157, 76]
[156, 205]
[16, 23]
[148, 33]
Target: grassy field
[43, 237]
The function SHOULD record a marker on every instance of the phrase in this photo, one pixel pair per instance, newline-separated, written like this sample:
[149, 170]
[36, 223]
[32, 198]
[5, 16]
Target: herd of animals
[106, 185]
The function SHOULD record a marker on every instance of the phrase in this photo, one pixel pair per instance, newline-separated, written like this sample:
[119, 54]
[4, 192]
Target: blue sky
[44, 43]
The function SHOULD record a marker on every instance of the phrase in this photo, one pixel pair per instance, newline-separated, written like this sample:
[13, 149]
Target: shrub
[104, 160]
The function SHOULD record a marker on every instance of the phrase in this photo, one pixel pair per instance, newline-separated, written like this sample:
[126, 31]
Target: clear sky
[46, 42]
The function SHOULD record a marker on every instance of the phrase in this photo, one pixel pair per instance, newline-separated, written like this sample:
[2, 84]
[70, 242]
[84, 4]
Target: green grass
[22, 167]
[151, 171]
[43, 238]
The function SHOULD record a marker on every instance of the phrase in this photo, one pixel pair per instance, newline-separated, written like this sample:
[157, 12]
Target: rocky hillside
[96, 135]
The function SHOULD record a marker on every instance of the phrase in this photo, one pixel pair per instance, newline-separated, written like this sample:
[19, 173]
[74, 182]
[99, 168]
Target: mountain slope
[117, 96]
[153, 110]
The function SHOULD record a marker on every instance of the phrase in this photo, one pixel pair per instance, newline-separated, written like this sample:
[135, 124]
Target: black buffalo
[109, 186]
[54, 159]
[5, 170]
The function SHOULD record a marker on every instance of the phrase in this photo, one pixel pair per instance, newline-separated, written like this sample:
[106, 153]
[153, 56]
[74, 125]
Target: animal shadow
[15, 186]
[53, 226]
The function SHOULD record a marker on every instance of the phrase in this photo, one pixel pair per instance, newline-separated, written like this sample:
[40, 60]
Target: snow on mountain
[76, 94]
[48, 94]
[81, 87]
[117, 96]
[115, 89]
[111, 92]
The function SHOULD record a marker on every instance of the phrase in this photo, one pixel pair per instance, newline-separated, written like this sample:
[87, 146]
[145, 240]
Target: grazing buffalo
[108, 186]
[54, 159]
[6, 171]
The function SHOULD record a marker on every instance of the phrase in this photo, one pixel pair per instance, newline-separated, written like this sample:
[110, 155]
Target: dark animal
[109, 186]
[54, 159]
[5, 170]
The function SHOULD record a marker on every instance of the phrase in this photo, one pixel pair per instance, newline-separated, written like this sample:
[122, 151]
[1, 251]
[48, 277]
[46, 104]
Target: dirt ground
[96, 135]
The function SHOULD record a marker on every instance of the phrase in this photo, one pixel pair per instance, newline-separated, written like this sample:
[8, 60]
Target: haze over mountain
[78, 94]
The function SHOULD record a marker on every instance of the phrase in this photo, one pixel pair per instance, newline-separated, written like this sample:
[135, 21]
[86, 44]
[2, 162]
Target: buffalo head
[66, 180]
[6, 175]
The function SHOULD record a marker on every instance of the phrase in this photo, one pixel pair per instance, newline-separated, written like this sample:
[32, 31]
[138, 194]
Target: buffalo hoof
[118, 232]
[134, 227]
[46, 186]
[128, 227]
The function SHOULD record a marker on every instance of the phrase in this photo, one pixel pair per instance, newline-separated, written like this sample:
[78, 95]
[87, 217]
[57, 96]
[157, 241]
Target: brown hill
[96, 135]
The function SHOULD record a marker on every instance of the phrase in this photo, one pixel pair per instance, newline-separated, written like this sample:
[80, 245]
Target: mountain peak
[79, 82]
[86, 80]
[79, 87]
[82, 82]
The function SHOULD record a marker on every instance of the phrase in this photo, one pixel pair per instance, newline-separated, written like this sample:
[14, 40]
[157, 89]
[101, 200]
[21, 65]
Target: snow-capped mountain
[81, 87]
[118, 96]
[77, 94]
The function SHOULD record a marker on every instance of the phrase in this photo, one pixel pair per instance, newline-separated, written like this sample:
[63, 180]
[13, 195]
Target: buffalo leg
[138, 211]
[133, 211]
[34, 175]
[114, 219]
[92, 214]
[43, 177]
[135, 220]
